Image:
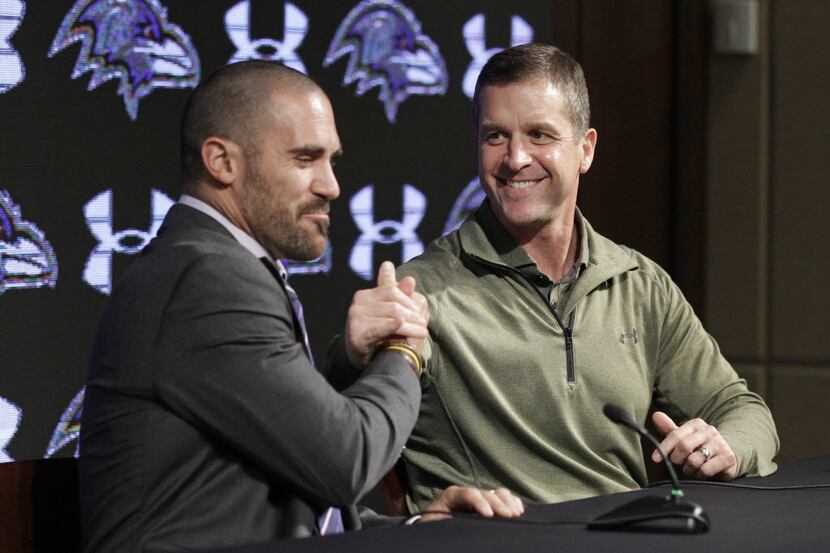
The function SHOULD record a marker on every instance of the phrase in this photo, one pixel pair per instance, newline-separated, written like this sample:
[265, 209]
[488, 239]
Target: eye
[539, 136]
[493, 137]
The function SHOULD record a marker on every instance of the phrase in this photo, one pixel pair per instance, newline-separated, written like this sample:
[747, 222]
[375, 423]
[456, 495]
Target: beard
[276, 226]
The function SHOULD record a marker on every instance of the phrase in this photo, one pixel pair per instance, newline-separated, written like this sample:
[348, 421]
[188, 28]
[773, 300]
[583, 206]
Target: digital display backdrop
[91, 92]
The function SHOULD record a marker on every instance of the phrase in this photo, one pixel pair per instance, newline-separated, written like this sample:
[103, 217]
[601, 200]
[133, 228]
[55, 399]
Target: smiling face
[530, 155]
[289, 180]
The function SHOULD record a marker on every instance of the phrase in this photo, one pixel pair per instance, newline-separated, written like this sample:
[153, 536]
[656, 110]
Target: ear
[589, 144]
[223, 160]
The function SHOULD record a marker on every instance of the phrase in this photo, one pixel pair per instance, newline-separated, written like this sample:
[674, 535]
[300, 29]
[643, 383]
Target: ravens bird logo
[131, 40]
[68, 428]
[389, 51]
[27, 259]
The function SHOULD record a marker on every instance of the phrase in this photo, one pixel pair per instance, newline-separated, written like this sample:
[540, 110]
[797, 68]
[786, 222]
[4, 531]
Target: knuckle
[707, 470]
[686, 445]
[398, 313]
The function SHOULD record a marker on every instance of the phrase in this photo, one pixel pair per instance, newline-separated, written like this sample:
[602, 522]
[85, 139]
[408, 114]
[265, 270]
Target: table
[741, 520]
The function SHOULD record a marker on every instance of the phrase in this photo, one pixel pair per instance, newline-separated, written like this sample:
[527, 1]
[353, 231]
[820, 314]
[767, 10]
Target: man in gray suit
[205, 422]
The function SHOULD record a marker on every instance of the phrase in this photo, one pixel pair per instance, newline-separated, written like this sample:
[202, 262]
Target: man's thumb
[386, 274]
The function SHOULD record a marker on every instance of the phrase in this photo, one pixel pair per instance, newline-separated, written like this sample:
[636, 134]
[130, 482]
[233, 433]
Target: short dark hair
[231, 103]
[533, 61]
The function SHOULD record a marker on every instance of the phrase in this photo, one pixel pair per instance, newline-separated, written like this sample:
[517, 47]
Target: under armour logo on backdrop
[12, 71]
[238, 27]
[474, 33]
[385, 232]
[98, 212]
[10, 415]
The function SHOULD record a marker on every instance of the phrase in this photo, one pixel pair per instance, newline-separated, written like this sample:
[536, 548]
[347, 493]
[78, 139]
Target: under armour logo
[633, 336]
[385, 232]
[10, 415]
[238, 27]
[98, 214]
[520, 33]
[12, 71]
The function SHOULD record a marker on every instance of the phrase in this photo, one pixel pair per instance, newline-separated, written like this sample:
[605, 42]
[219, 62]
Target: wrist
[402, 348]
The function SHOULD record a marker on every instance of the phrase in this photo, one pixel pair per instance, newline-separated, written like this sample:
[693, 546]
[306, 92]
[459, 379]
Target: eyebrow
[315, 152]
[489, 127]
[485, 128]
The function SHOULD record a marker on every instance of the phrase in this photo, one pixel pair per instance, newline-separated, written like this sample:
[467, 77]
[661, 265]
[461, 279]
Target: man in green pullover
[537, 321]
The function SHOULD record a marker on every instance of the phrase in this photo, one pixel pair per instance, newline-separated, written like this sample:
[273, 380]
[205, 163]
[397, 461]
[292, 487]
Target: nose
[517, 156]
[326, 184]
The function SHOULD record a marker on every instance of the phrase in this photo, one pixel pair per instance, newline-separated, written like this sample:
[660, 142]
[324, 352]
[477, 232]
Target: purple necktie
[330, 522]
[298, 314]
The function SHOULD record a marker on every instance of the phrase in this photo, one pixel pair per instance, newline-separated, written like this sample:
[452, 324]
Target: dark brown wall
[717, 167]
[626, 49]
[767, 177]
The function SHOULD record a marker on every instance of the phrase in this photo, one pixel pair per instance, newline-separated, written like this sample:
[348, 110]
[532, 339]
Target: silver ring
[705, 452]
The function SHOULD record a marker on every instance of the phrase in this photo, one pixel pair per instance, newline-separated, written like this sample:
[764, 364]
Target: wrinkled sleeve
[695, 380]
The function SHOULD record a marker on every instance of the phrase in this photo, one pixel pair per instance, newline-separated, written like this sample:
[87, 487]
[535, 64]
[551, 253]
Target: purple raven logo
[467, 202]
[388, 50]
[69, 426]
[27, 260]
[130, 40]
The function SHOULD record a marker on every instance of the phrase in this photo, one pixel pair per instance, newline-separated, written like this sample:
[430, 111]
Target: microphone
[617, 415]
[652, 513]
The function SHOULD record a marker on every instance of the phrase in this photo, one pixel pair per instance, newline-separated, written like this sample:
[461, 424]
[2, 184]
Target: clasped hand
[391, 310]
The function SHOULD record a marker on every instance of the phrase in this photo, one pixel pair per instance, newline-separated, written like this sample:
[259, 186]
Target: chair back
[39, 506]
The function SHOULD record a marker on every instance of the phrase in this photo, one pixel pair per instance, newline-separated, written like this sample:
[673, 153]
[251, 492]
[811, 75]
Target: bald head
[232, 103]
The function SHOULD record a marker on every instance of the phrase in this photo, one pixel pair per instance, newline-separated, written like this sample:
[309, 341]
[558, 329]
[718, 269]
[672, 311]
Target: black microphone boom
[617, 415]
[652, 513]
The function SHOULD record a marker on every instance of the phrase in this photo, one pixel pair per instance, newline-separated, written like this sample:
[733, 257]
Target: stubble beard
[277, 227]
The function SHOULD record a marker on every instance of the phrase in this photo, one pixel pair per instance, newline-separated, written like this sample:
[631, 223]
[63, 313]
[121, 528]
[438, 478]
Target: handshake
[394, 316]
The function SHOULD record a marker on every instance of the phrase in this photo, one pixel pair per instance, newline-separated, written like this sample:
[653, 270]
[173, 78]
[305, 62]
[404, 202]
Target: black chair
[39, 506]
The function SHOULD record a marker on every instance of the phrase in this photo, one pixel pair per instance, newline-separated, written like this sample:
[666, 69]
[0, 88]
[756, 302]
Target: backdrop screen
[91, 93]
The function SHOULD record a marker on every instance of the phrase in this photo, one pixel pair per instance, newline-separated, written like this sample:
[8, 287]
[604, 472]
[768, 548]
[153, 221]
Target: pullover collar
[483, 238]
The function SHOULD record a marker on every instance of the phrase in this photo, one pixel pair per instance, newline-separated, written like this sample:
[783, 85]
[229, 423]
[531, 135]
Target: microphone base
[654, 513]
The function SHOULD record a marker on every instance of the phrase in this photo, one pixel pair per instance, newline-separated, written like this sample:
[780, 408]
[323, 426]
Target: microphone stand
[652, 513]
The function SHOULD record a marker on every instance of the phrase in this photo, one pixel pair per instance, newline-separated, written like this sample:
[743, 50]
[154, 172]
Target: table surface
[741, 520]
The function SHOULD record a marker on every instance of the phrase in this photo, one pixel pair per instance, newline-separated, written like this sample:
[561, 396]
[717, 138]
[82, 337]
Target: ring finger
[696, 459]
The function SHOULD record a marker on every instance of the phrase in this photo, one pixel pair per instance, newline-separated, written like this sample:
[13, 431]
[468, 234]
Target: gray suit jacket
[204, 422]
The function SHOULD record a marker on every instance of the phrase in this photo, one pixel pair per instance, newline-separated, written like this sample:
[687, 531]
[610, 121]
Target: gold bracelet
[409, 352]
